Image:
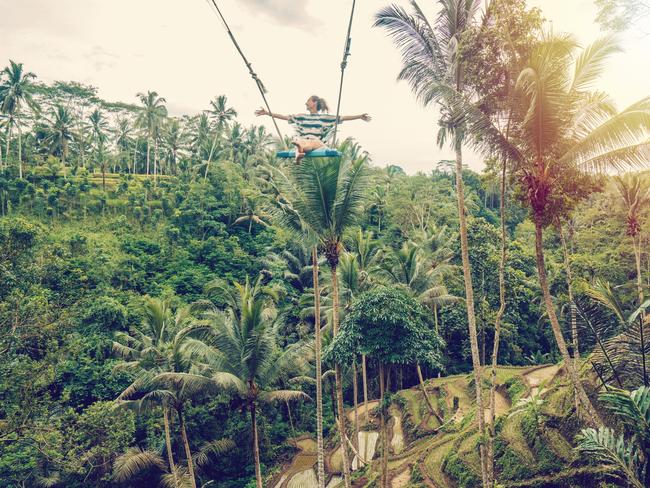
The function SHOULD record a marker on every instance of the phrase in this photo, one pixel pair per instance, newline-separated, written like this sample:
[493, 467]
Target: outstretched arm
[364, 117]
[263, 111]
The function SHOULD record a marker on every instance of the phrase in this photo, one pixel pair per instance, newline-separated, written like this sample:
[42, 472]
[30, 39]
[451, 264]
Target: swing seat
[322, 152]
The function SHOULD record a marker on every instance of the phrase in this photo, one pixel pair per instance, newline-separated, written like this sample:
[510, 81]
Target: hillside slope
[536, 425]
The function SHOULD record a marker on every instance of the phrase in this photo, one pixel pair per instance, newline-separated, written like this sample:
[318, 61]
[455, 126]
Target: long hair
[321, 104]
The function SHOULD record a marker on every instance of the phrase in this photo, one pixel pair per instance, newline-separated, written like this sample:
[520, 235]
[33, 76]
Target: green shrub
[516, 388]
[453, 466]
[510, 465]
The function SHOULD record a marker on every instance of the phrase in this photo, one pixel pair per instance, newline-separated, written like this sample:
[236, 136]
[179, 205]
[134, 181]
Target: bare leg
[300, 152]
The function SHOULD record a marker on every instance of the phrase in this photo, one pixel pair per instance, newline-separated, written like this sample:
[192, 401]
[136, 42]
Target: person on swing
[314, 128]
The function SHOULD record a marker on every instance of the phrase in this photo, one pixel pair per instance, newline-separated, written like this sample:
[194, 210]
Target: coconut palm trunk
[497, 326]
[469, 299]
[256, 446]
[320, 452]
[383, 430]
[188, 452]
[364, 379]
[590, 414]
[636, 243]
[168, 444]
[338, 378]
[20, 153]
[569, 285]
[148, 155]
[355, 394]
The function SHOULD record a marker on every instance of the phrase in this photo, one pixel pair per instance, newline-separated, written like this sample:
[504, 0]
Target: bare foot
[299, 156]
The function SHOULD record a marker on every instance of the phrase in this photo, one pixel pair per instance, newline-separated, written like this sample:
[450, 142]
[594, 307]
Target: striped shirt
[314, 126]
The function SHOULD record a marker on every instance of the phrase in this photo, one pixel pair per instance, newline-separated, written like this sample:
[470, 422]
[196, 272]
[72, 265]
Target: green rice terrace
[535, 429]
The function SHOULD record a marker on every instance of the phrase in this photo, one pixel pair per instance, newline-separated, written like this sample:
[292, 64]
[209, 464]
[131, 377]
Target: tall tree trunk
[8, 143]
[256, 446]
[293, 429]
[155, 160]
[188, 452]
[148, 155]
[591, 415]
[364, 379]
[20, 153]
[569, 285]
[497, 326]
[469, 300]
[355, 395]
[207, 164]
[636, 243]
[319, 374]
[339, 380]
[383, 430]
[424, 391]
[168, 445]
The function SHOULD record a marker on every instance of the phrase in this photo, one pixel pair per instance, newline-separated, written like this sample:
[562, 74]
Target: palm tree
[163, 344]
[247, 358]
[200, 139]
[327, 197]
[421, 277]
[124, 139]
[136, 461]
[221, 114]
[59, 131]
[150, 118]
[433, 66]
[300, 263]
[99, 128]
[635, 194]
[366, 252]
[15, 89]
[567, 129]
[174, 140]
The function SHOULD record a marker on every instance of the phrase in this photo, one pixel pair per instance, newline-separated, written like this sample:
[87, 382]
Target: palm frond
[216, 447]
[134, 462]
[606, 447]
[627, 128]
[590, 63]
[283, 396]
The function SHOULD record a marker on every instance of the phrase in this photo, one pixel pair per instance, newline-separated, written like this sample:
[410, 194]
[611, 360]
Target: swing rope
[258, 81]
[344, 63]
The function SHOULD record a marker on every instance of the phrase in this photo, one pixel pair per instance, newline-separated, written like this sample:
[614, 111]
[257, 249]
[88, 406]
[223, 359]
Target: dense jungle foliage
[157, 310]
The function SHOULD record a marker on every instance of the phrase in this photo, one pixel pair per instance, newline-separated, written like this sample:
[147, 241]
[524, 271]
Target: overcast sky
[180, 49]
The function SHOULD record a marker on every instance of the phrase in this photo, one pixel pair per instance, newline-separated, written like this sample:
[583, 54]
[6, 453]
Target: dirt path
[300, 471]
[402, 479]
[362, 410]
[541, 376]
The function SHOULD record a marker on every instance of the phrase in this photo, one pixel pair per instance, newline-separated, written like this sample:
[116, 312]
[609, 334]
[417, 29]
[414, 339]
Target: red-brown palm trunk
[591, 415]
